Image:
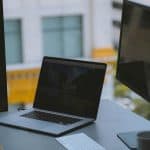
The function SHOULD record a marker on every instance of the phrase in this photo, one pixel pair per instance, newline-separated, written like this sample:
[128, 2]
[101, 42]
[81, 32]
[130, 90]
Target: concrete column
[102, 23]
[32, 32]
[87, 28]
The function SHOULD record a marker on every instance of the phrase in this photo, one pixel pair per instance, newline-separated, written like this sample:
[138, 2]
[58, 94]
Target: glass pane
[72, 22]
[13, 42]
[12, 26]
[53, 44]
[52, 23]
[72, 43]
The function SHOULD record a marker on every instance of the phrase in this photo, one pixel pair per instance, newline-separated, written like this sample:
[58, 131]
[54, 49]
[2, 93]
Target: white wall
[102, 27]
[97, 28]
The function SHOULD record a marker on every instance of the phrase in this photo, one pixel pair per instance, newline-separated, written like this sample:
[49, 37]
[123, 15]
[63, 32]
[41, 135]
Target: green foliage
[120, 90]
[142, 108]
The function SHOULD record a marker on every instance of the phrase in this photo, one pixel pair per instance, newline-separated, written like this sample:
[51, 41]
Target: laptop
[67, 97]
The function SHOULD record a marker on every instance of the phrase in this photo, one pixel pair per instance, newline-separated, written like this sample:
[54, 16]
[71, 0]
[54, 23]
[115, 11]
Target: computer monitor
[134, 48]
[133, 67]
[3, 83]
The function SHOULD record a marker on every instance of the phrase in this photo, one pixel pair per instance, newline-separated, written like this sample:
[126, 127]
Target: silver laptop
[67, 97]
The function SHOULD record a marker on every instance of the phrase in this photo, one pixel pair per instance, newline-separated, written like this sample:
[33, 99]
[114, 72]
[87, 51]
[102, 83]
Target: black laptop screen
[71, 87]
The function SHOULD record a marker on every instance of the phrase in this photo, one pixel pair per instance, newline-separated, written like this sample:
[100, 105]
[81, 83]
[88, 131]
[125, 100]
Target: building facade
[64, 28]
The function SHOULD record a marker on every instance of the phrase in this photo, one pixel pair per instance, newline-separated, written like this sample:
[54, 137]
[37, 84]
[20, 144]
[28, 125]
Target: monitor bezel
[137, 91]
[3, 78]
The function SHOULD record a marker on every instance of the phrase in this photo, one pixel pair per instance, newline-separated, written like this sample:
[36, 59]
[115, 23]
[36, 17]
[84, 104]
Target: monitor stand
[129, 139]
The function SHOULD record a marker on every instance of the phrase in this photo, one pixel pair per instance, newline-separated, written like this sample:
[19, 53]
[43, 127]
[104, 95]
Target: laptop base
[43, 132]
[39, 126]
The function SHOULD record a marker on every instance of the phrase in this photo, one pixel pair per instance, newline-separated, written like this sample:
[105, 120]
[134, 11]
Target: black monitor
[134, 49]
[3, 83]
[133, 67]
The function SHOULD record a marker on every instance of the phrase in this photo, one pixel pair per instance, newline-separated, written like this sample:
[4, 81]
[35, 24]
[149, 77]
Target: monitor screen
[3, 84]
[134, 49]
[69, 86]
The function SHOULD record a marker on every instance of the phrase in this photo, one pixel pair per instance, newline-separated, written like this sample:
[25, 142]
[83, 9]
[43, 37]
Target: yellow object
[103, 52]
[22, 85]
[106, 55]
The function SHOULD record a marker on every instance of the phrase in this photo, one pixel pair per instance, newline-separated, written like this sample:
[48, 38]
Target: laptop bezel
[67, 61]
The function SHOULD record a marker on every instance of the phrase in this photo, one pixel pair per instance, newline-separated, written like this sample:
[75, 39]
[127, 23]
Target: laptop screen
[70, 86]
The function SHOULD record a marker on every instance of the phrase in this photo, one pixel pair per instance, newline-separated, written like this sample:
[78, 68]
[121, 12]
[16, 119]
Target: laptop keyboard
[50, 117]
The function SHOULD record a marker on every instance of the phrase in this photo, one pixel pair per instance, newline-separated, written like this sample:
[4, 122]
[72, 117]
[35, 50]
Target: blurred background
[79, 29]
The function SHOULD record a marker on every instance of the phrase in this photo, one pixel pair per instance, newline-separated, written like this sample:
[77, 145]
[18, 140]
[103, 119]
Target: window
[62, 36]
[13, 41]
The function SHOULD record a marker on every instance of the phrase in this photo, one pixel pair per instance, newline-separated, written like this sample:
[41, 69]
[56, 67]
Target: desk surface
[111, 120]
